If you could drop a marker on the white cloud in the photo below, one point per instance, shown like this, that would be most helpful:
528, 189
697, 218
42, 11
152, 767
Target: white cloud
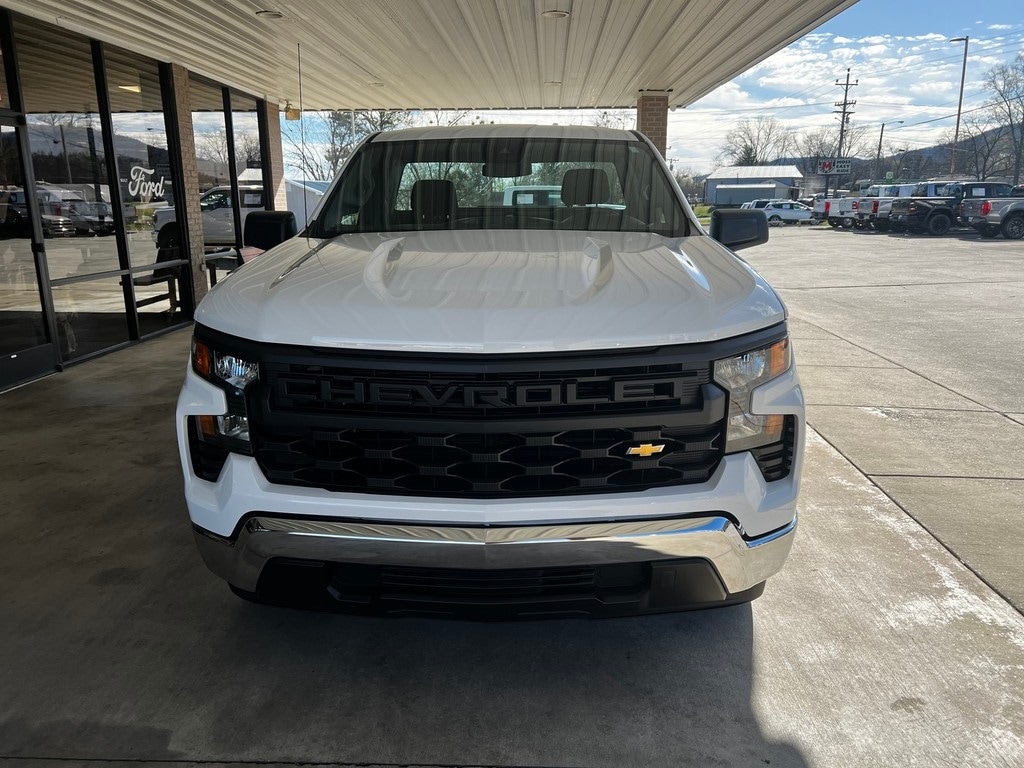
1000, 26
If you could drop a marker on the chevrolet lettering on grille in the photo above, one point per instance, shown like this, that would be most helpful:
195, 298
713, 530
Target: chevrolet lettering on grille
518, 395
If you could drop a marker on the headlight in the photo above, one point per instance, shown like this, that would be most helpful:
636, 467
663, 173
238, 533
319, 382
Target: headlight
233, 374
740, 375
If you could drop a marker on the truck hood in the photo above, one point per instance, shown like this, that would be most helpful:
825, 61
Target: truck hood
492, 292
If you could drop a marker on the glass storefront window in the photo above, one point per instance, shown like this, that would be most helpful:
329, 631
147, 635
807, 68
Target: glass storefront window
210, 133
90, 316
143, 161
66, 141
211, 142
246, 130
21, 314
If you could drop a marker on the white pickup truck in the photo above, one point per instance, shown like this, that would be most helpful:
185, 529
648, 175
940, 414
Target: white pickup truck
825, 207
435, 403
876, 210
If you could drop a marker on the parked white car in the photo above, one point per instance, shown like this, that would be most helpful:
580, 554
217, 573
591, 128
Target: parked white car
787, 213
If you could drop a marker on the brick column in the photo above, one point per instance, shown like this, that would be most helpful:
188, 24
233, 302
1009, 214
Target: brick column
273, 176
186, 200
652, 117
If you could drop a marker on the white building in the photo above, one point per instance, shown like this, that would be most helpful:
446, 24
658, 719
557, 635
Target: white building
737, 184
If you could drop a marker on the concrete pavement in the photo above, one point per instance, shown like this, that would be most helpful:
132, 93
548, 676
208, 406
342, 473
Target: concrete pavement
876, 646
909, 351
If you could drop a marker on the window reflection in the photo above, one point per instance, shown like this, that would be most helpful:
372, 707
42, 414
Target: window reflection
211, 143
143, 160
21, 316
90, 316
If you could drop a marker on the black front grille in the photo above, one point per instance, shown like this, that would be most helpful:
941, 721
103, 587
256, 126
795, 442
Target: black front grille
318, 387
486, 464
487, 425
454, 583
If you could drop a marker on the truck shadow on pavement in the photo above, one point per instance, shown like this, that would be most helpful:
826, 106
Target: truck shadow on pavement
665, 690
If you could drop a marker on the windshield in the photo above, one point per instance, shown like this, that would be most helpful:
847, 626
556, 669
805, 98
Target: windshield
503, 183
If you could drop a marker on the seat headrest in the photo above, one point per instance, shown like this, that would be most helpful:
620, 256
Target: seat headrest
585, 186
433, 203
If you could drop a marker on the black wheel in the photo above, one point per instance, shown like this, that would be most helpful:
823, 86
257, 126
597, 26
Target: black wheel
881, 226
988, 230
1013, 227
938, 225
834, 223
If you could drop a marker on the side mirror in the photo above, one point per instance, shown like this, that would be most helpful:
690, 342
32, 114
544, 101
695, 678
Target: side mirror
739, 228
265, 229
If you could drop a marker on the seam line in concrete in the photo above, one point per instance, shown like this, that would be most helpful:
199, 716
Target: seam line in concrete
905, 368
205, 761
904, 407
944, 477
924, 527
898, 285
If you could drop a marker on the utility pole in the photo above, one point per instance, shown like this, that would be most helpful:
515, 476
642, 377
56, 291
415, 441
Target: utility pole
844, 113
960, 104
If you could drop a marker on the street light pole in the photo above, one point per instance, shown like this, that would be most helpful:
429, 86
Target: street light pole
878, 154
966, 40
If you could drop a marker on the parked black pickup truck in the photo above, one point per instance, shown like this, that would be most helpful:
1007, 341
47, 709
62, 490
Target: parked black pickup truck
933, 208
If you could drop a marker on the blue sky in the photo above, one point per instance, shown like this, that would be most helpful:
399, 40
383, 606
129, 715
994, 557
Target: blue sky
899, 52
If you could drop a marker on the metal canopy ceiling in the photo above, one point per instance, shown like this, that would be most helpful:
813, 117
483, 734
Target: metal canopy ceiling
448, 54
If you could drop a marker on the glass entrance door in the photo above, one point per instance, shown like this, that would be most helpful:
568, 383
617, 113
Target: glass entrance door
26, 349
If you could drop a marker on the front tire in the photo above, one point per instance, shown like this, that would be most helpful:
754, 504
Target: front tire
1013, 227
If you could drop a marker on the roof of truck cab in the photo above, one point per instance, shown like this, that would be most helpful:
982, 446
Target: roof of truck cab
507, 132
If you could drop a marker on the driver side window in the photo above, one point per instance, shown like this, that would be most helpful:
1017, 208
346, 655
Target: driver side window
215, 201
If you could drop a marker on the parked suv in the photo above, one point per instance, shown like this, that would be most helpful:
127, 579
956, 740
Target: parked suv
432, 402
218, 216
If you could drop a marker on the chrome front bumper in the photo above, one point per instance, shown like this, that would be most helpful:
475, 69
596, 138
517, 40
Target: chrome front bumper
740, 563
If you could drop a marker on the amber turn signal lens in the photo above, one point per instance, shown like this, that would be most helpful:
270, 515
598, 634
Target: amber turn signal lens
778, 361
202, 359
208, 426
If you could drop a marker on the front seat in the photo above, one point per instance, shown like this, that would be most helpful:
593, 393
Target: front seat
433, 204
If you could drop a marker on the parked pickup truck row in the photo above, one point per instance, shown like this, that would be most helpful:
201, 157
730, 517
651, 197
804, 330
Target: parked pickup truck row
931, 207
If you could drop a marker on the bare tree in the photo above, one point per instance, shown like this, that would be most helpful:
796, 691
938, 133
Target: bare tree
446, 116
1007, 83
982, 145
247, 150
321, 141
623, 119
213, 146
757, 142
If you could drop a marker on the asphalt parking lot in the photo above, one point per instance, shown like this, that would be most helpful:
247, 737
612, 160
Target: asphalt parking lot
892, 638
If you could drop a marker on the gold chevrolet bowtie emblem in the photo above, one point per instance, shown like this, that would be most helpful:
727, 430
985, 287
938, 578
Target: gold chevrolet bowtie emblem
645, 450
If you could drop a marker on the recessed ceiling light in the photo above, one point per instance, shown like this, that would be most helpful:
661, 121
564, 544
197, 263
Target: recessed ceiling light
132, 88
270, 14
555, 14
